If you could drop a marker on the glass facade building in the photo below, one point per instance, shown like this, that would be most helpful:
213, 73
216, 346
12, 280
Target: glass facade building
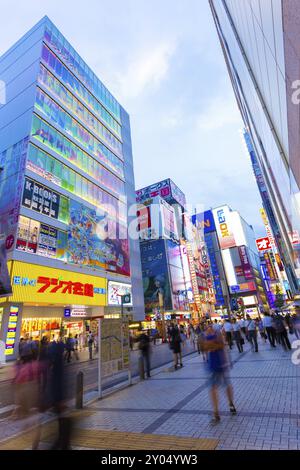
260, 42
67, 179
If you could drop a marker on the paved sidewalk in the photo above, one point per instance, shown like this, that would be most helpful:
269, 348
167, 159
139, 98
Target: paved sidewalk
266, 387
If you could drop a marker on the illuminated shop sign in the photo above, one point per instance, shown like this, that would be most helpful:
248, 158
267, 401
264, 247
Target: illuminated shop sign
49, 285
263, 244
11, 331
116, 290
40, 199
194, 280
226, 238
244, 287
245, 262
79, 311
267, 227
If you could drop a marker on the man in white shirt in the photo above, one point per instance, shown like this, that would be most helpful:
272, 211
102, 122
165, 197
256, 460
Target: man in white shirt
252, 332
242, 324
228, 332
267, 323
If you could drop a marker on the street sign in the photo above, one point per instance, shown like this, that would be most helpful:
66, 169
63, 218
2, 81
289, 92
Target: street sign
263, 244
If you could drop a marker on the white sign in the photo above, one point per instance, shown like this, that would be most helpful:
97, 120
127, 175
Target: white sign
78, 312
116, 290
222, 221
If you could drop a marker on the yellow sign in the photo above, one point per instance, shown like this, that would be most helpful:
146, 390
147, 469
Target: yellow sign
42, 285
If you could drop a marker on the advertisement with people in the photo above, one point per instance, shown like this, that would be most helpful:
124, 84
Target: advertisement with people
89, 241
157, 292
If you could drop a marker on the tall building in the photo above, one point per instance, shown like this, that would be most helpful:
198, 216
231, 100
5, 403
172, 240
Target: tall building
182, 276
205, 223
260, 40
65, 150
240, 260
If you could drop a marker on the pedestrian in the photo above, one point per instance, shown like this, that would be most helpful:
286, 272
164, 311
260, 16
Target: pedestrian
268, 325
218, 366
242, 324
281, 331
90, 344
58, 395
252, 332
228, 332
70, 344
261, 328
200, 339
296, 322
175, 345
144, 347
192, 336
76, 347
182, 335
237, 335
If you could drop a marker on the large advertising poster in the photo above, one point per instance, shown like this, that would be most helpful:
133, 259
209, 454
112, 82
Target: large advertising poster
224, 230
5, 285
179, 290
89, 245
157, 292
12, 161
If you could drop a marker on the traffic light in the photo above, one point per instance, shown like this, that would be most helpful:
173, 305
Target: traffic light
126, 299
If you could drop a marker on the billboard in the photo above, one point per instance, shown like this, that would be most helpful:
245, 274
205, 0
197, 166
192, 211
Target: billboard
34, 283
156, 284
263, 244
224, 230
12, 161
115, 290
156, 219
87, 244
204, 220
246, 266
166, 189
5, 285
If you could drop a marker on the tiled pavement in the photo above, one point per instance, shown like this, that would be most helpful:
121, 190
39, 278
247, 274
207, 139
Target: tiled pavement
178, 404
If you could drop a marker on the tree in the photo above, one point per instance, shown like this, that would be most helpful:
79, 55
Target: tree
279, 299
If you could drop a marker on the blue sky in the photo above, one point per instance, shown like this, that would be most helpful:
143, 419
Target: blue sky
163, 62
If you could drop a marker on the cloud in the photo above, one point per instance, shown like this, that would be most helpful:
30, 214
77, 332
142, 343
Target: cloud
147, 70
221, 111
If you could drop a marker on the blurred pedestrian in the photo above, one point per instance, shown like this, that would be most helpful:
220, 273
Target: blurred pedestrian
90, 344
175, 345
228, 332
267, 322
261, 329
242, 324
281, 331
70, 346
218, 366
144, 347
237, 335
59, 394
182, 335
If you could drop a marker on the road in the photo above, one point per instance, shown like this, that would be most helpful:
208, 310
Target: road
160, 355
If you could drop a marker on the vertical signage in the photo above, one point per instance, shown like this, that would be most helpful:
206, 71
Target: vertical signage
11, 331
190, 256
222, 220
245, 262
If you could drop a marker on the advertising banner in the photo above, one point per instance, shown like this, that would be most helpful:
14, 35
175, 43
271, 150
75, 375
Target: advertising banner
115, 290
13, 161
263, 244
157, 292
162, 188
224, 230
34, 283
5, 284
245, 262
87, 245
40, 198
205, 221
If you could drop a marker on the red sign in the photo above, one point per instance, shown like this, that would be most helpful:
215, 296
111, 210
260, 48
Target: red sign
65, 287
263, 244
9, 242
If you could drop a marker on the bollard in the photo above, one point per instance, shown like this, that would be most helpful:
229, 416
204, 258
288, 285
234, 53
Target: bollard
141, 368
79, 390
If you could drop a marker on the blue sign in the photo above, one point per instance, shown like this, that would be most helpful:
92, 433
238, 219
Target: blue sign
205, 221
235, 288
67, 312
